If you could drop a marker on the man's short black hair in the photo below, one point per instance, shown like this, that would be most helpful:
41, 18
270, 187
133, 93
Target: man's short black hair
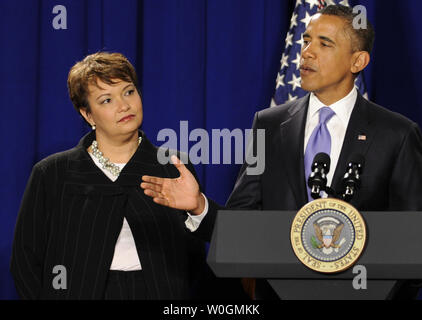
362, 39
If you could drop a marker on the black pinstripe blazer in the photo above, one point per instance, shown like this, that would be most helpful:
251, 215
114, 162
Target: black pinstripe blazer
72, 214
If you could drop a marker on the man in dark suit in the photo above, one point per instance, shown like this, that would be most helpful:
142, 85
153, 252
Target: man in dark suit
333, 118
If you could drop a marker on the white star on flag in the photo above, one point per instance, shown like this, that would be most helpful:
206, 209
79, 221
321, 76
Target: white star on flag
297, 61
280, 80
313, 3
295, 82
293, 22
307, 19
300, 42
289, 40
284, 62
292, 98
298, 3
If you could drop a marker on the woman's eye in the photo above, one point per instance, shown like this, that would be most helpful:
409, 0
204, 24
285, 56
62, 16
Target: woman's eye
106, 101
130, 92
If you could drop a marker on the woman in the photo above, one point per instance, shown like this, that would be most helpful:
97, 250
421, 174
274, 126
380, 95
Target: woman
85, 229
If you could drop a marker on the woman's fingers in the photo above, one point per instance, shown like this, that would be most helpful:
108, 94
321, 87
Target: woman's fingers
151, 186
155, 180
157, 197
153, 194
161, 201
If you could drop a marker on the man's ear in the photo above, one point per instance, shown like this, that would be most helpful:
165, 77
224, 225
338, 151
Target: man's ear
87, 116
360, 60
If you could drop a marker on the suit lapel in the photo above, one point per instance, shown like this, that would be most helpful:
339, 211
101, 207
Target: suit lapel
359, 136
143, 162
292, 134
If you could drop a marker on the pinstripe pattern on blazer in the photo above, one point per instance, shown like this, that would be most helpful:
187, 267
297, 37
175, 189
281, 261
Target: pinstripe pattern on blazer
71, 215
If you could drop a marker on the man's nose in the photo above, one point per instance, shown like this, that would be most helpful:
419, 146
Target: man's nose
308, 51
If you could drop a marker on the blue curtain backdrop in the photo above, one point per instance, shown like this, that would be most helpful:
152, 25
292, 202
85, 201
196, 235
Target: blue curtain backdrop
212, 63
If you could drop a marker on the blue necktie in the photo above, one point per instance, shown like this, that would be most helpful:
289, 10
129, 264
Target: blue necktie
320, 141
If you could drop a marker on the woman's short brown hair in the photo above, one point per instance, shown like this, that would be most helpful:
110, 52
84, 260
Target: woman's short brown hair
104, 66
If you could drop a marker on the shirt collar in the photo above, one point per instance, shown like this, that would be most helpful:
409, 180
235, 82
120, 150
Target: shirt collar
343, 107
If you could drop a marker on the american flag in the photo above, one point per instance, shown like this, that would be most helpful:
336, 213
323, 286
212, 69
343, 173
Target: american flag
288, 78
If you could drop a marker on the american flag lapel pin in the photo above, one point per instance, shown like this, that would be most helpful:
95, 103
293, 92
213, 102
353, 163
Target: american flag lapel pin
362, 137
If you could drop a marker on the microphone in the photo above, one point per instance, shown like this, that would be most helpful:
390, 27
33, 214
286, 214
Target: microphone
317, 180
351, 181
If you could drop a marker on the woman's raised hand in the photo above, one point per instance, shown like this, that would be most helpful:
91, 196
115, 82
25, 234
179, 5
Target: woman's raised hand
179, 193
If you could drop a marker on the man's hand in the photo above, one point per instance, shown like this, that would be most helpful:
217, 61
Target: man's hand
180, 193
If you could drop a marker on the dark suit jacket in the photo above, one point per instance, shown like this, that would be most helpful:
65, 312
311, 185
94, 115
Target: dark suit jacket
72, 214
392, 176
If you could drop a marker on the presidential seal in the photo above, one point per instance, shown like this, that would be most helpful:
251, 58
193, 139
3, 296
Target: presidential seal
328, 235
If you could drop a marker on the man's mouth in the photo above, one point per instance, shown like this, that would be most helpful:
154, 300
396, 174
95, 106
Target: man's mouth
307, 68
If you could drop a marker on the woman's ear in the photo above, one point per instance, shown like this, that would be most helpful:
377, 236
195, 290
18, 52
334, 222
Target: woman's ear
87, 116
360, 60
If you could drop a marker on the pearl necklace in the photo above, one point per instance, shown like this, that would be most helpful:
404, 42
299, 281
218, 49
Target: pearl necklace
106, 163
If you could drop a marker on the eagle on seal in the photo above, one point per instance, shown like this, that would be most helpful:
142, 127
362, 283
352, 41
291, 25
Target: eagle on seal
328, 234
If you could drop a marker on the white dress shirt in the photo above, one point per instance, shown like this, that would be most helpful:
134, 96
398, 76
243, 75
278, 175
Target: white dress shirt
337, 125
125, 255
